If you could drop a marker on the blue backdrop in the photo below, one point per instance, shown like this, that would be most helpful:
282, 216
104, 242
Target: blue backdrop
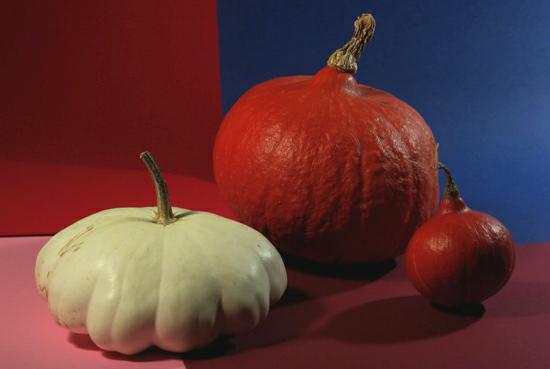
479, 73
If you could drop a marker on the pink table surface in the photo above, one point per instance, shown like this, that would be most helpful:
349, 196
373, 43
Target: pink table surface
353, 319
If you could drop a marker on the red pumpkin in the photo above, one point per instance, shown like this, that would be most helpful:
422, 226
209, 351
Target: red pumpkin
459, 256
328, 169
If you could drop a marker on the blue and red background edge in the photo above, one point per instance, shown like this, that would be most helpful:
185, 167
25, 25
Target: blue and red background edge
94, 84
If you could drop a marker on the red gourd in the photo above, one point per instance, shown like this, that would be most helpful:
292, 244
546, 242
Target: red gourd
328, 169
460, 256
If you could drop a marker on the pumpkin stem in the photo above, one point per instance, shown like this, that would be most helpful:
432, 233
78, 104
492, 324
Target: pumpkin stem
451, 189
345, 58
164, 209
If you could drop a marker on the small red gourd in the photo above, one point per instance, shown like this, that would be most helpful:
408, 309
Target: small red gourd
328, 169
459, 256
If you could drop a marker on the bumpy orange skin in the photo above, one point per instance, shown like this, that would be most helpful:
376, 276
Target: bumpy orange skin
328, 169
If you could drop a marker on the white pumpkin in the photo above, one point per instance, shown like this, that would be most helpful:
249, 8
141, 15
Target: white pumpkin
135, 277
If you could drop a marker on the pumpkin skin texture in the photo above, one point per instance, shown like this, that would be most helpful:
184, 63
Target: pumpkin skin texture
131, 282
460, 256
328, 169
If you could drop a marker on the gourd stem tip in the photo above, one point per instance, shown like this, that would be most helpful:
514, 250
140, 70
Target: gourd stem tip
345, 58
164, 209
451, 189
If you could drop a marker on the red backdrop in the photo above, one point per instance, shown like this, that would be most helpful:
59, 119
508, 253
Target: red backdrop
96, 82
93, 84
